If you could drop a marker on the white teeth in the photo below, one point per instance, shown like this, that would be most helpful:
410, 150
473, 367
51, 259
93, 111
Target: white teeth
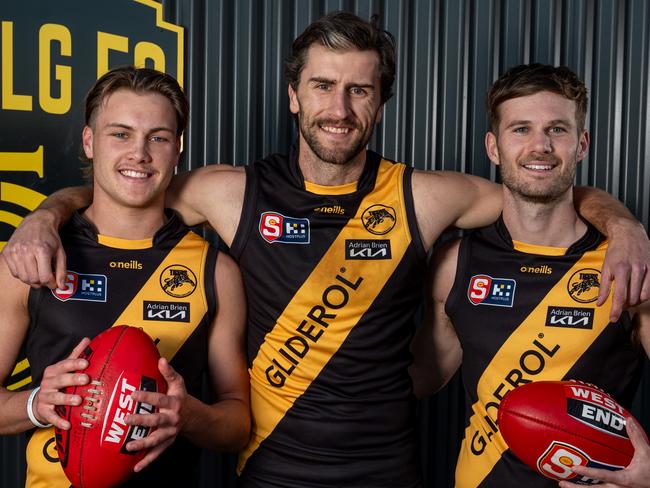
544, 167
133, 174
336, 130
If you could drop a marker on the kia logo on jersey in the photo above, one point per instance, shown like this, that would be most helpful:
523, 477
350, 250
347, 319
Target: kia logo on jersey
275, 227
485, 290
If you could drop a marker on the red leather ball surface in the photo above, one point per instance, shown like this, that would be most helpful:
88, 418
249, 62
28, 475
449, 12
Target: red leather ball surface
93, 452
553, 425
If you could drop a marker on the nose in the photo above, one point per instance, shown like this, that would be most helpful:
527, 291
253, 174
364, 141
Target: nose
340, 104
541, 142
140, 150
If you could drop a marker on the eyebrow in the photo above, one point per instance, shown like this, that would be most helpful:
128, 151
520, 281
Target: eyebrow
321, 79
528, 122
119, 125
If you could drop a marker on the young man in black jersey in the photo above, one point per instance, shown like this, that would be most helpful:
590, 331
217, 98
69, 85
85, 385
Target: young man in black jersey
496, 294
123, 243
332, 242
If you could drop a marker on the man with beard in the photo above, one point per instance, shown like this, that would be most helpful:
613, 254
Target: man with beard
497, 293
332, 241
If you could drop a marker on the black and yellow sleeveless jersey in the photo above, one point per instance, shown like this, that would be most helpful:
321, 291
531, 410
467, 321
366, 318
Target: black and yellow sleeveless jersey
164, 285
333, 278
528, 313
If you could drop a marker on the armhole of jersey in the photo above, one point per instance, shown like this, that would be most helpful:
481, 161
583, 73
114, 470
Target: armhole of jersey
410, 213
34, 299
247, 213
209, 283
456, 293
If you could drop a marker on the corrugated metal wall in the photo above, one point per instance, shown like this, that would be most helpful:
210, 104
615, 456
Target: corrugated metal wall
448, 54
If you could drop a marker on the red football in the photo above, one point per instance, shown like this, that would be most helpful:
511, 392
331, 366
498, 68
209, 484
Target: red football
121, 359
553, 425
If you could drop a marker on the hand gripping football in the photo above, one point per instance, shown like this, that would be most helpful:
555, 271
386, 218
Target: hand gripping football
93, 452
553, 425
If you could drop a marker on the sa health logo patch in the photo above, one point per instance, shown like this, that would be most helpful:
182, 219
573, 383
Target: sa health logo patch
485, 290
275, 227
82, 286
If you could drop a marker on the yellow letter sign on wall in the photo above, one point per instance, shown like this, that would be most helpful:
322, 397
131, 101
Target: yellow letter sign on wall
51, 54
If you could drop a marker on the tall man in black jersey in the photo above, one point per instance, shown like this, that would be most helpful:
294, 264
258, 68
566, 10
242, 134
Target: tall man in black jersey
526, 286
332, 242
122, 248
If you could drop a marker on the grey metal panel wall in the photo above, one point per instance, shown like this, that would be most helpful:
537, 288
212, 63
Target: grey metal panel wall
449, 52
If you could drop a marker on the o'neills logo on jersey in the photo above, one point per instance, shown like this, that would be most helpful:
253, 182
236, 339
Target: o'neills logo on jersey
379, 219
570, 317
132, 264
595, 409
584, 285
330, 209
166, 311
559, 458
178, 281
485, 290
275, 227
81, 286
367, 249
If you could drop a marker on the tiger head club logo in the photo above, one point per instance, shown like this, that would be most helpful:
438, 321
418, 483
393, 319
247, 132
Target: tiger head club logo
584, 285
178, 281
379, 219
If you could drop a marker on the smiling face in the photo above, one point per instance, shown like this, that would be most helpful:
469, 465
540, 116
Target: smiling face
134, 148
337, 102
538, 146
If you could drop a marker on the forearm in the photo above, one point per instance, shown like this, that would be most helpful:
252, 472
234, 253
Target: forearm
222, 426
605, 212
60, 205
13, 412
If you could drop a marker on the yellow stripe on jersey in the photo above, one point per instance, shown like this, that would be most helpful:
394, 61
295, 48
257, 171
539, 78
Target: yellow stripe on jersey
170, 339
532, 352
324, 310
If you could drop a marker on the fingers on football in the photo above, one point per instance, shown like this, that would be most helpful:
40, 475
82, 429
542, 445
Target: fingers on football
79, 348
151, 455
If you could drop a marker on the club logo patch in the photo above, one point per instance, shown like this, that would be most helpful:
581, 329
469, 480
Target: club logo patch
83, 287
275, 227
584, 285
379, 219
367, 249
485, 290
166, 311
178, 281
559, 458
570, 317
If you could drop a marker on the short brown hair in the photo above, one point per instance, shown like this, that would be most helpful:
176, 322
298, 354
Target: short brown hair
528, 79
138, 80
341, 31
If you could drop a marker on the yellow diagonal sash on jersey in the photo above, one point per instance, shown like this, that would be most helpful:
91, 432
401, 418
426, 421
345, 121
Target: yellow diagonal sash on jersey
43, 469
472, 469
270, 404
171, 336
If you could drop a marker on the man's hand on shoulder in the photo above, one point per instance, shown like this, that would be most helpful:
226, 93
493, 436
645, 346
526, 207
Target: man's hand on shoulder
627, 267
34, 253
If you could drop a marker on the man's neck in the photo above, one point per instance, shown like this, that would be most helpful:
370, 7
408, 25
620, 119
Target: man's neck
554, 224
114, 220
315, 170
